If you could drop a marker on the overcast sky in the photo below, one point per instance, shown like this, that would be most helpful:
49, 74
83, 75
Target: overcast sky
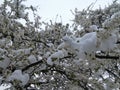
48, 9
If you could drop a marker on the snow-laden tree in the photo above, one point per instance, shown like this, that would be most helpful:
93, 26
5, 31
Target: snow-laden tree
83, 57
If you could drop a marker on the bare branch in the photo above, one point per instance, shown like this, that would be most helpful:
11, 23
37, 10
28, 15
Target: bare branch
118, 42
31, 65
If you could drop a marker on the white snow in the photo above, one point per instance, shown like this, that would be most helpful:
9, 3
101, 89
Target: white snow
70, 44
90, 43
47, 54
32, 59
68, 41
5, 62
49, 61
108, 43
93, 28
21, 51
87, 44
17, 75
59, 54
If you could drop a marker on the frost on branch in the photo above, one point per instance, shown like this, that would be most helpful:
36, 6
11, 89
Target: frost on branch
57, 55
83, 56
113, 21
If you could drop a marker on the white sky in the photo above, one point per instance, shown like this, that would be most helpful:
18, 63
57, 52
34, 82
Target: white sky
48, 9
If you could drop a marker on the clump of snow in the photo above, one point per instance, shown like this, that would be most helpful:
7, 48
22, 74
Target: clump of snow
47, 54
32, 59
21, 51
43, 80
93, 28
5, 62
70, 44
87, 44
49, 61
59, 54
67, 39
108, 43
17, 75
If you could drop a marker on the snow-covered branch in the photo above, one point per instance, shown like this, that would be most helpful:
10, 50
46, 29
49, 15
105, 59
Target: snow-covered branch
107, 57
83, 56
